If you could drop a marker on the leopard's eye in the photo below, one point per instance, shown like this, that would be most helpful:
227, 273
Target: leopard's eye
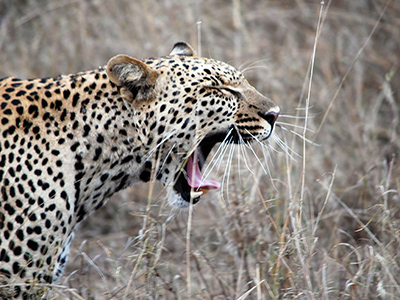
233, 92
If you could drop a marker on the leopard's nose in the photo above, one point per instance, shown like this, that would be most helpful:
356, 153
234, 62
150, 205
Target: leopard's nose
271, 115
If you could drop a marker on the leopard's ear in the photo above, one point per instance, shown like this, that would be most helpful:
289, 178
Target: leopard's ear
182, 48
136, 79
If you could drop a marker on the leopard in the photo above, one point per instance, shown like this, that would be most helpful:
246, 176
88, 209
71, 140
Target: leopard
68, 143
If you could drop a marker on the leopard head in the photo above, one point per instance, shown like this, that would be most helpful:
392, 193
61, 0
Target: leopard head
185, 105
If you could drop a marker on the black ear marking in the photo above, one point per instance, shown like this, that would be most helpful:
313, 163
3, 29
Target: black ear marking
182, 48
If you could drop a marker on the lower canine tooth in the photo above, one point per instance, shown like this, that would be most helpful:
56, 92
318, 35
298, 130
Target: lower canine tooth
205, 191
194, 194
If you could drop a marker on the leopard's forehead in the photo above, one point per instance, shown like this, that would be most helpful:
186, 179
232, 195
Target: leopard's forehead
199, 69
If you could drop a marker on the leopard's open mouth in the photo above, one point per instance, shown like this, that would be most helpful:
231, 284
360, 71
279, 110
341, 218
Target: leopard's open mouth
191, 183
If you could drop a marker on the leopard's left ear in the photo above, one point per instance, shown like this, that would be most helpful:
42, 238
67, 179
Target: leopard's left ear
182, 48
136, 79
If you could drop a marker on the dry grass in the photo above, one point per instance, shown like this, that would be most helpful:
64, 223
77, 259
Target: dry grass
323, 226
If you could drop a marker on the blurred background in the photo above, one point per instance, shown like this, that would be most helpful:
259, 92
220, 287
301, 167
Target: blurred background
320, 223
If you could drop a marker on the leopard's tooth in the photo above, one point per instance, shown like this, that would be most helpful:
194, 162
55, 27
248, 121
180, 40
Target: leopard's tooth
194, 194
205, 191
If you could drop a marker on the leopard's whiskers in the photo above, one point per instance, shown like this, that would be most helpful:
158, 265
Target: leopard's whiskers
227, 171
151, 152
286, 149
218, 155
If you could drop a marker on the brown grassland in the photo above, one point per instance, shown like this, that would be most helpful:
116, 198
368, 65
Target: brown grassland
319, 221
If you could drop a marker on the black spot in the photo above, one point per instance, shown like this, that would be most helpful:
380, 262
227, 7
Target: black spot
32, 245
9, 208
66, 94
161, 129
127, 159
100, 138
75, 99
74, 146
17, 251
152, 126
52, 194
20, 110
44, 103
36, 129
63, 115
17, 289
4, 256
47, 224
97, 153
32, 217
33, 110
104, 177
86, 130
75, 125
145, 176
185, 123
64, 195
81, 213
58, 105
79, 165
118, 176
15, 267
10, 157
41, 202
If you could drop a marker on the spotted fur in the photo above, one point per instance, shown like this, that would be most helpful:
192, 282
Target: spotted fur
68, 143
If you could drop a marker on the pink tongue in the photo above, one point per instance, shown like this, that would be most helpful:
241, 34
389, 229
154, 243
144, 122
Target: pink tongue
196, 179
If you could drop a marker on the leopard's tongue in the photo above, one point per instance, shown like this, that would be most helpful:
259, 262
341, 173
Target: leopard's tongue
196, 179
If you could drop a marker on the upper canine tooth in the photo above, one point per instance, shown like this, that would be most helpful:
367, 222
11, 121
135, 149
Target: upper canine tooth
194, 194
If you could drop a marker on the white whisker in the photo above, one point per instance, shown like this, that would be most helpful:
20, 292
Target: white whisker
268, 159
262, 147
150, 153
221, 156
286, 149
238, 166
166, 157
279, 124
300, 136
252, 65
291, 117
242, 144
242, 149
217, 156
227, 172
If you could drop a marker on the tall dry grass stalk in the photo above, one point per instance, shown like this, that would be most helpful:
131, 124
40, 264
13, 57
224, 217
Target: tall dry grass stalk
309, 220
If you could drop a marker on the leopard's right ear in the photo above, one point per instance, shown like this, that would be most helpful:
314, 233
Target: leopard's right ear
182, 48
136, 79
